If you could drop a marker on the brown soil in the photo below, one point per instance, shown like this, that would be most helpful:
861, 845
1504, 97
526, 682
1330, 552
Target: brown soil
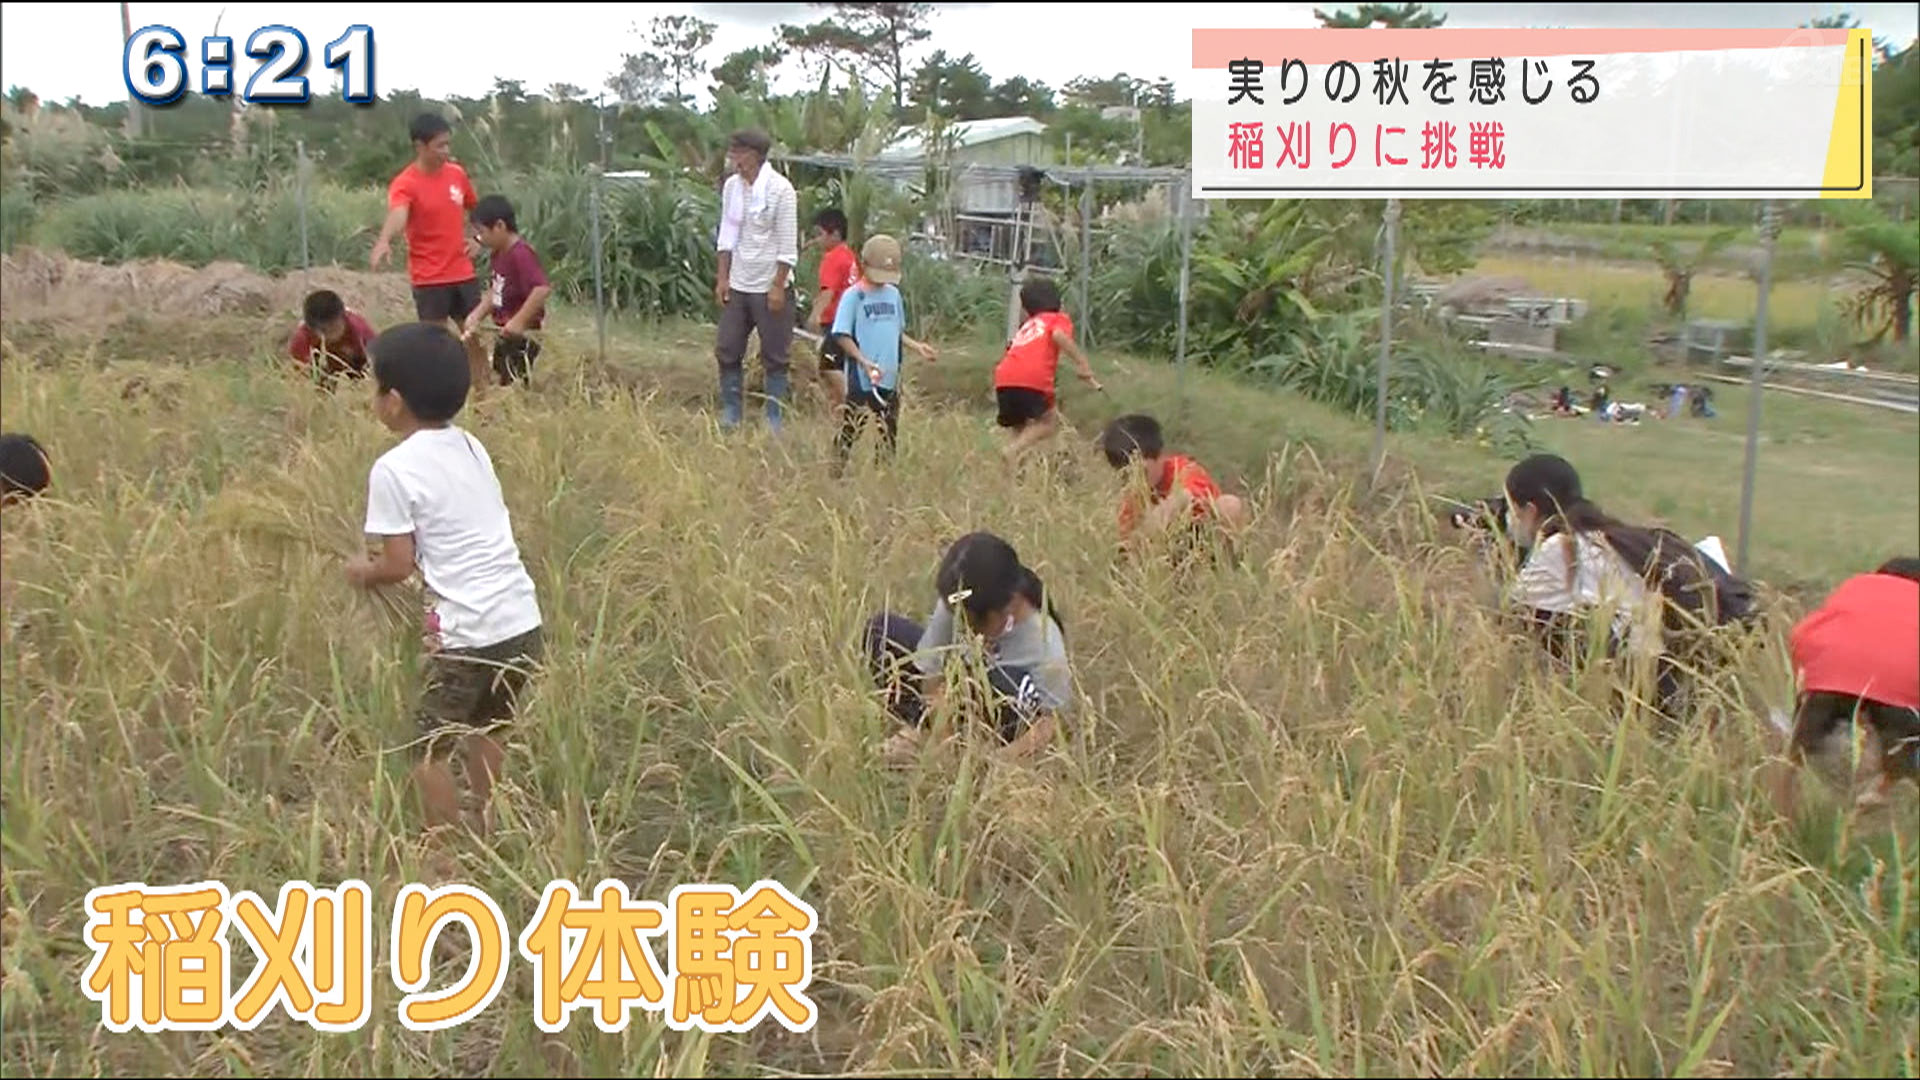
41, 285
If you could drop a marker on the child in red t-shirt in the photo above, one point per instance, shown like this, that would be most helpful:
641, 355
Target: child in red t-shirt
1177, 488
1023, 382
1858, 654
839, 271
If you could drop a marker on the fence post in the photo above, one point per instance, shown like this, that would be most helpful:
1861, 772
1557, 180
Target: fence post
1086, 254
599, 292
1392, 231
1769, 229
300, 186
1186, 273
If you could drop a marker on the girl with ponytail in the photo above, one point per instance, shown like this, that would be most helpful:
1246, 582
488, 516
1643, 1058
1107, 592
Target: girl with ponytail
1581, 560
983, 594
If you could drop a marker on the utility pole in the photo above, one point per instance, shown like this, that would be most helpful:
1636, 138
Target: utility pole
133, 103
1769, 235
606, 141
1139, 132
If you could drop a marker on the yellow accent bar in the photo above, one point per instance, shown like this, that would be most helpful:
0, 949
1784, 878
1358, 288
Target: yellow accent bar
1849, 161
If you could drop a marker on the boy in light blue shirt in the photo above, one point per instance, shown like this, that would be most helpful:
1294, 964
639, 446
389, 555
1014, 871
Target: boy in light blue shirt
870, 325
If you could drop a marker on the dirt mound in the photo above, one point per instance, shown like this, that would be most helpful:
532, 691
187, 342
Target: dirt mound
1473, 294
38, 284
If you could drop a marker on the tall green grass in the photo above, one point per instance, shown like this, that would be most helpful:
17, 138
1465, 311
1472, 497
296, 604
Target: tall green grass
658, 256
197, 226
1314, 815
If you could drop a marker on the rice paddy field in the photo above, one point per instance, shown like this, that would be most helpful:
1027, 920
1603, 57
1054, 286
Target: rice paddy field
1318, 813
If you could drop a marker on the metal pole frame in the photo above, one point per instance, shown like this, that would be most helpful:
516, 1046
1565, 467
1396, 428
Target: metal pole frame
1392, 233
1769, 231
1186, 279
300, 185
599, 291
1086, 255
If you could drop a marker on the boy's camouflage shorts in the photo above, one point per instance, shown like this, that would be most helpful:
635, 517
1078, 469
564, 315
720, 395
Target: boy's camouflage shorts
469, 691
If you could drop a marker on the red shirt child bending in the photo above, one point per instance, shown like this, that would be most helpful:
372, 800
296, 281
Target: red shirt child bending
1857, 660
1178, 487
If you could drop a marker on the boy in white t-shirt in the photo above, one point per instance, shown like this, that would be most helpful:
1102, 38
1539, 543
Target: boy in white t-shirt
435, 502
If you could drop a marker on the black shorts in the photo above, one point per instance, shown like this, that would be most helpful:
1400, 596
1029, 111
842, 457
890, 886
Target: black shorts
832, 356
1020, 406
1010, 700
471, 690
438, 303
513, 358
1822, 715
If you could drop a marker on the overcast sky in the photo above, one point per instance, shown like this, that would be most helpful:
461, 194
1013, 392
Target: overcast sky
63, 50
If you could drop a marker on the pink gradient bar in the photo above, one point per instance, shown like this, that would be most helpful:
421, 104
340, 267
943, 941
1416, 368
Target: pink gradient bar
1215, 48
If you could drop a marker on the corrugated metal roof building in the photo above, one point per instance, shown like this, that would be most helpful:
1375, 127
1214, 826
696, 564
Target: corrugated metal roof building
1003, 141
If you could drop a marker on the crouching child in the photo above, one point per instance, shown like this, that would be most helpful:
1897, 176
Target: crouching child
331, 339
1168, 495
1857, 661
983, 596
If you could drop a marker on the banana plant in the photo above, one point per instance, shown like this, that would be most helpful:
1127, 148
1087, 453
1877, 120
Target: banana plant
1888, 254
1680, 265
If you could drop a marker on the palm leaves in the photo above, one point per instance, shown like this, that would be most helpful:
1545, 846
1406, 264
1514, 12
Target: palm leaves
1679, 265
1889, 254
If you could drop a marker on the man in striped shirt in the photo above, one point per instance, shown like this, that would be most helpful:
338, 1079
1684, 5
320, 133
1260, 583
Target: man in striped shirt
759, 246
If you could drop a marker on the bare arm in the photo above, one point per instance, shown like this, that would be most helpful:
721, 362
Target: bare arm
1038, 734
933, 691
1072, 349
926, 351
536, 303
1168, 510
393, 565
852, 349
396, 221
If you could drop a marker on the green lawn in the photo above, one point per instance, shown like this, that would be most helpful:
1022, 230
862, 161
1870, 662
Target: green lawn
1837, 490
1794, 312
1801, 250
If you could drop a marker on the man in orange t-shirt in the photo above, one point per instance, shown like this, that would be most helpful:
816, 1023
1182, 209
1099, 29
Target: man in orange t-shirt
1178, 488
1859, 654
430, 199
1023, 383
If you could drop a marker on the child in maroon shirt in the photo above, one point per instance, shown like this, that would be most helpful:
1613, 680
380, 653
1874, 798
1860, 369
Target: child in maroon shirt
517, 297
331, 337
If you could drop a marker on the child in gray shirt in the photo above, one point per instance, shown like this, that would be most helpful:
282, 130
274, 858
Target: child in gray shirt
1004, 605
